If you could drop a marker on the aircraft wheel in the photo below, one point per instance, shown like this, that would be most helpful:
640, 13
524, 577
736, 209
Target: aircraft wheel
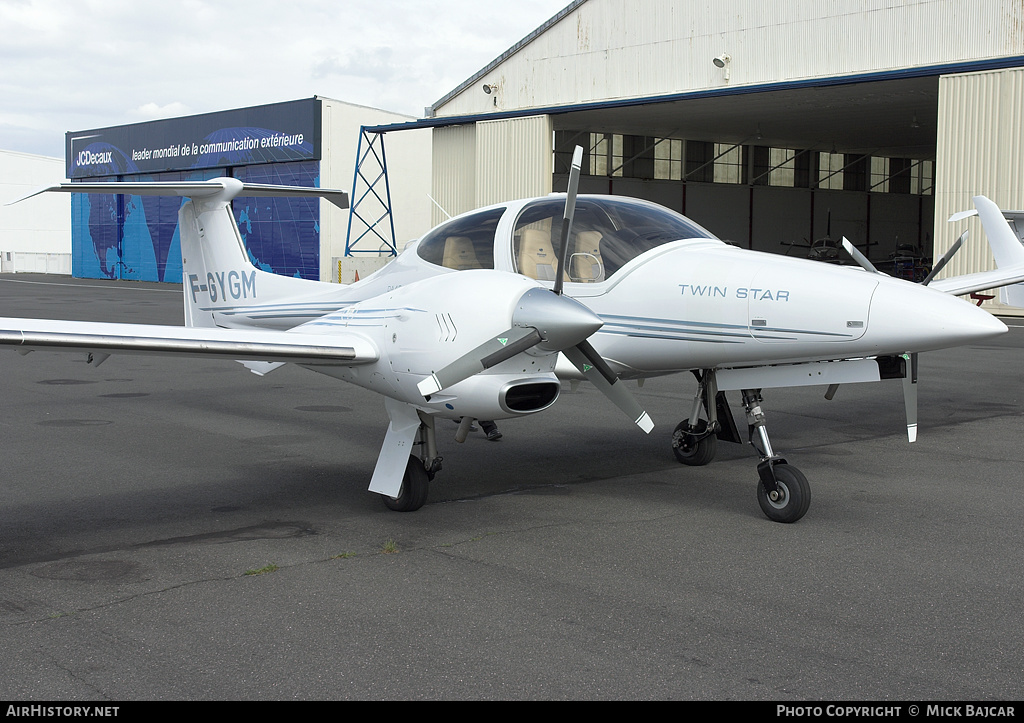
691, 450
794, 495
415, 485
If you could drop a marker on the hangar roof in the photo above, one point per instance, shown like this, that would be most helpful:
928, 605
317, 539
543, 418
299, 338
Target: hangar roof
854, 76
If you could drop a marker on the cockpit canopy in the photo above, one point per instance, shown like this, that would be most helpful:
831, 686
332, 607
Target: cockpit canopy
608, 231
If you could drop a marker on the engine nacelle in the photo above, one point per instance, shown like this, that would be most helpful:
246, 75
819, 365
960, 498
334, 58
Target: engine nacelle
495, 396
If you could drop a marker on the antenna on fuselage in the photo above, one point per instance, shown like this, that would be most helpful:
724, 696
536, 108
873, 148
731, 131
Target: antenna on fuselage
439, 207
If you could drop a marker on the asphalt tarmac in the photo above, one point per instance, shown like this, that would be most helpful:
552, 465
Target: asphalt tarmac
185, 530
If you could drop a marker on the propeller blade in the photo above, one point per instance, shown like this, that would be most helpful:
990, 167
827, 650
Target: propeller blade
585, 358
945, 259
858, 256
570, 210
491, 353
541, 319
910, 396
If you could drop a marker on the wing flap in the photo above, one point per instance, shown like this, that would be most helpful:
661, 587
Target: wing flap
344, 348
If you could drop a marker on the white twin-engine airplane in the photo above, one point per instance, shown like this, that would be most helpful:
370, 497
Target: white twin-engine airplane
469, 321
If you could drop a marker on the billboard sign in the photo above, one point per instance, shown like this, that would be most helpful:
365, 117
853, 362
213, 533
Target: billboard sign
276, 133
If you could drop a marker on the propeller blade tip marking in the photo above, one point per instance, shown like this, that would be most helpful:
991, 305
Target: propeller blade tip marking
429, 386
645, 423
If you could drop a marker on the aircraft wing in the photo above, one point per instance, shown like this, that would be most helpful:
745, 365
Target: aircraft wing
344, 348
969, 283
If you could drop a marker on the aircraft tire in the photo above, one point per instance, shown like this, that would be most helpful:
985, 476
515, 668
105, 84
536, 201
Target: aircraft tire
690, 452
796, 498
415, 485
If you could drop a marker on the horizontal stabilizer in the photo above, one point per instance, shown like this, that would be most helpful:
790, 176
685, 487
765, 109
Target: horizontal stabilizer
223, 188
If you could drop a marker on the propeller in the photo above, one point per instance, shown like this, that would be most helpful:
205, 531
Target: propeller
910, 372
910, 395
583, 355
550, 322
585, 358
910, 380
570, 211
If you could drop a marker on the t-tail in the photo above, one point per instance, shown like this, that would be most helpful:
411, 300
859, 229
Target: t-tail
221, 285
1006, 249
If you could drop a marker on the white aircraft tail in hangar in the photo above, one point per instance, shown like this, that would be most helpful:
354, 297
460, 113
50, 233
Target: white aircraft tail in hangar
623, 288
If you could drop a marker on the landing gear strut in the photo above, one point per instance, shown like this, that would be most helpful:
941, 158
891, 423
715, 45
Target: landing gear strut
782, 490
695, 440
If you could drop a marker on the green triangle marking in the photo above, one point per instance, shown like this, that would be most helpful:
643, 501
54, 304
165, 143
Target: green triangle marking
503, 340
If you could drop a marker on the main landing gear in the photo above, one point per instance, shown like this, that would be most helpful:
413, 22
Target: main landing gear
419, 471
782, 491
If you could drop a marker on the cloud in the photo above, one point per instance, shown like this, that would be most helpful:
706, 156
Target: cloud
374, 63
152, 111
80, 64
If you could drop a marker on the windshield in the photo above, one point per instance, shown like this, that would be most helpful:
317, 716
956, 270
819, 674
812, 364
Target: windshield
464, 243
607, 232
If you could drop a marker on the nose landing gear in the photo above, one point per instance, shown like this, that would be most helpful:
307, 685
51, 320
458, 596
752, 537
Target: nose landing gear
782, 491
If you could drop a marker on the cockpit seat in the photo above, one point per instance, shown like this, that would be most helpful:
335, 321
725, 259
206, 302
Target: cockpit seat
459, 254
536, 256
587, 266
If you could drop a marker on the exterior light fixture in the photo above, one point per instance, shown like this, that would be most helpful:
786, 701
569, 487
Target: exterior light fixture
722, 61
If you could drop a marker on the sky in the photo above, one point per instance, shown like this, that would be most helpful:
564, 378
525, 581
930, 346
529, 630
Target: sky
70, 65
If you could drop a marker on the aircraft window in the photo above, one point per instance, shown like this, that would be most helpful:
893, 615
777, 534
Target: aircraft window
607, 232
463, 243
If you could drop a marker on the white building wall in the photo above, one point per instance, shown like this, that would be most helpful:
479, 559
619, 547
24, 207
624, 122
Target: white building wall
409, 163
35, 235
980, 150
609, 49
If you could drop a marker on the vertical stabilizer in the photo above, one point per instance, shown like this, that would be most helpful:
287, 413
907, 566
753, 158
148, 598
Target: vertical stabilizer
1006, 247
216, 271
221, 286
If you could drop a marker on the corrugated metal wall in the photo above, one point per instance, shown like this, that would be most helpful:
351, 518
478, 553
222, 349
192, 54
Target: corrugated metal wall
608, 49
454, 171
490, 162
513, 159
980, 150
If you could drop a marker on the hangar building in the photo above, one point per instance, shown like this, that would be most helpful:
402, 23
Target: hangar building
310, 142
33, 237
771, 122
